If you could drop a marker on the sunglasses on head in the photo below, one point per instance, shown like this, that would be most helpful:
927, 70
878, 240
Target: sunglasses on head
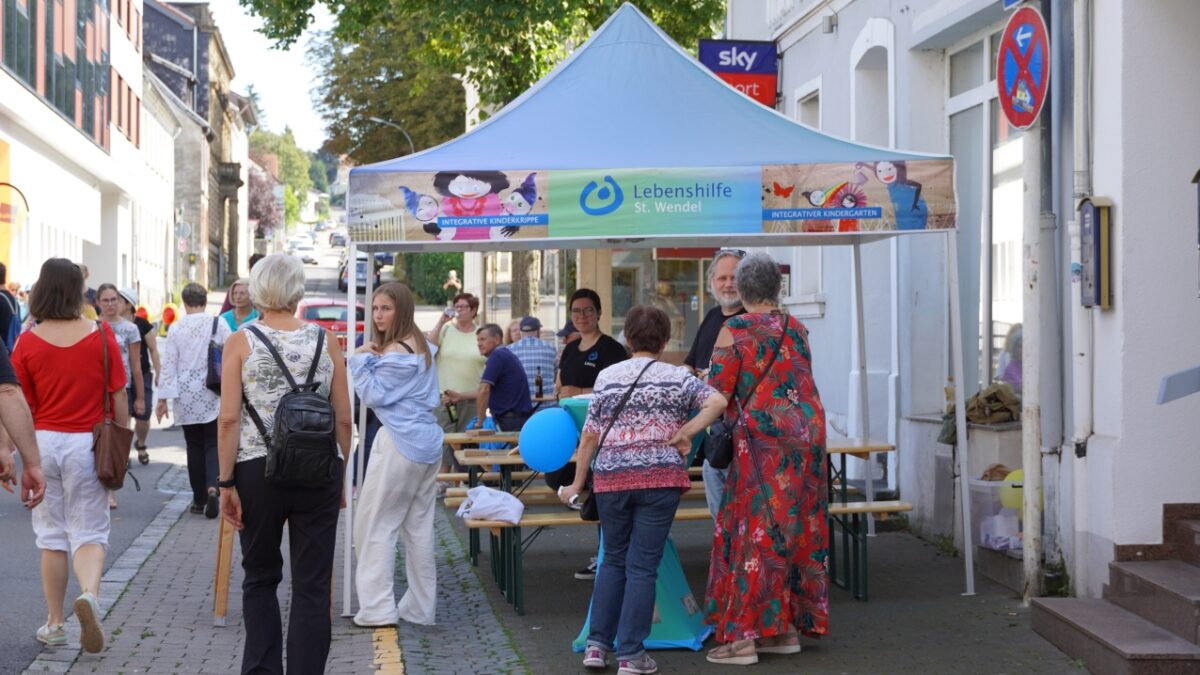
729, 251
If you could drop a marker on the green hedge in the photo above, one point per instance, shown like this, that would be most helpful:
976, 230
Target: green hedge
426, 272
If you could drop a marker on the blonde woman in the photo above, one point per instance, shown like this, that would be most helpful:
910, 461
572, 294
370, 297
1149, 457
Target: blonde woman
395, 376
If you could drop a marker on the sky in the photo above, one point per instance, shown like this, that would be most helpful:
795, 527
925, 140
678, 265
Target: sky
282, 79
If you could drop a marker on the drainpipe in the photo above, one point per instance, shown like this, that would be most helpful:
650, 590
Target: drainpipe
1081, 321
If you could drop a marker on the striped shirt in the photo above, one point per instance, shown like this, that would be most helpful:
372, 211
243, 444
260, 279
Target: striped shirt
534, 355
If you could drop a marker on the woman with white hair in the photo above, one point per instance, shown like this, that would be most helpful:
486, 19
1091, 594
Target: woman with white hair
767, 581
243, 310
254, 363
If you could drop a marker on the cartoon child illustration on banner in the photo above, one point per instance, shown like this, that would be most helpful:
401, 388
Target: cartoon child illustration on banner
911, 211
470, 194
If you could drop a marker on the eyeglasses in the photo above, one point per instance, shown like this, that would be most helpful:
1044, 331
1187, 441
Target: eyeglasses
463, 306
583, 311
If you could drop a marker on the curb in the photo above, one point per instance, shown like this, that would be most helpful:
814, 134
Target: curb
117, 578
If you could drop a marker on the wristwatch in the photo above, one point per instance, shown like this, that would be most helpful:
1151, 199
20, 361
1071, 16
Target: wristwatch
226, 484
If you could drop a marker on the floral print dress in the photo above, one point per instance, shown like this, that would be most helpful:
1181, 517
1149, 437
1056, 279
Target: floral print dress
757, 587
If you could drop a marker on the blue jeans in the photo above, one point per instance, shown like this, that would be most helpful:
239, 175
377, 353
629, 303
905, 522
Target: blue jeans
714, 487
635, 524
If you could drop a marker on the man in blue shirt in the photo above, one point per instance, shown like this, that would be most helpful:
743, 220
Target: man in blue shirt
537, 357
503, 388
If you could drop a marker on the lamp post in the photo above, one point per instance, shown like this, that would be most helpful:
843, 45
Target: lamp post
412, 149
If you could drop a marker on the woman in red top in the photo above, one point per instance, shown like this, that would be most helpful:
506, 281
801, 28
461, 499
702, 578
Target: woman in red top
59, 363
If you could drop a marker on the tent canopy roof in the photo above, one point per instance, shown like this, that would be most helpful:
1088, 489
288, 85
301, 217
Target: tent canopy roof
631, 97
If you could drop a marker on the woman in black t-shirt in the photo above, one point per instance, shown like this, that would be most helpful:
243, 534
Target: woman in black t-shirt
594, 351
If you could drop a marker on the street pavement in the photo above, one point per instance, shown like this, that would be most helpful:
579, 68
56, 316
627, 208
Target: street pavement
157, 596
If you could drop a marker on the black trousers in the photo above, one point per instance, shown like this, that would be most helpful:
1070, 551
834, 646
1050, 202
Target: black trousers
201, 443
311, 516
511, 420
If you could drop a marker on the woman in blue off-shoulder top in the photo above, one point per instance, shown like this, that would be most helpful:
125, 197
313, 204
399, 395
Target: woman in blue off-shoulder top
394, 375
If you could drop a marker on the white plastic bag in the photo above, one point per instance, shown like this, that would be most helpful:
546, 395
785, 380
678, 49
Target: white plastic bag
485, 503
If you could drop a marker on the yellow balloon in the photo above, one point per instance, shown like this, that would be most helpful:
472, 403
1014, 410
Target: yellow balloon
1011, 497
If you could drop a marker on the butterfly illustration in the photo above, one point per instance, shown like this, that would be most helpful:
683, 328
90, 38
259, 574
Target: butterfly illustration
782, 191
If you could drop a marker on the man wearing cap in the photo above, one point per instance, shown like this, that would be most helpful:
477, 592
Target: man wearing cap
537, 357
722, 283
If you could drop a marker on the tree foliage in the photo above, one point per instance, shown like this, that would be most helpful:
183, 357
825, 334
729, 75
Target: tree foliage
291, 206
501, 47
378, 75
318, 173
263, 206
426, 272
293, 162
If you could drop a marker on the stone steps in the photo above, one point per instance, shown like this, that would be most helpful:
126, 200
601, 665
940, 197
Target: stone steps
1164, 592
1111, 640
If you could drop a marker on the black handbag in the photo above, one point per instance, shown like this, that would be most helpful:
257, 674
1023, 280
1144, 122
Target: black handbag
718, 445
590, 511
212, 377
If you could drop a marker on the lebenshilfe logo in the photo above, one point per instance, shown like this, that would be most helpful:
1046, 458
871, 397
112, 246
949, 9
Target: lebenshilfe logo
609, 195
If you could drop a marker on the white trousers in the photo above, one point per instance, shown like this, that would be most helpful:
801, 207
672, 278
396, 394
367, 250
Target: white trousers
397, 501
74, 511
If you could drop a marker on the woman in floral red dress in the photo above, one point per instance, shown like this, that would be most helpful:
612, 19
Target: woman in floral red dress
767, 581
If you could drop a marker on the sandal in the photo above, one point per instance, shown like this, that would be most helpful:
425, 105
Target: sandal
734, 654
143, 456
788, 643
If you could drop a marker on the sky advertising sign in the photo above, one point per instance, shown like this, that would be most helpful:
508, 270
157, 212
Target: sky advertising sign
748, 66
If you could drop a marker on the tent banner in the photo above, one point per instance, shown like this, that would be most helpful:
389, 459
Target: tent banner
881, 196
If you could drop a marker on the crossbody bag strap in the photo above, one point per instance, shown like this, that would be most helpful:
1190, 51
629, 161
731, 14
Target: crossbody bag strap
213, 335
275, 354
312, 369
104, 375
619, 408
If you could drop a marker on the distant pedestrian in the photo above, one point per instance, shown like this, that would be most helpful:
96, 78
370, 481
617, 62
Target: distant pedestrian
10, 312
537, 357
182, 387
260, 508
452, 286
89, 295
59, 364
243, 308
228, 303
513, 332
394, 374
151, 368
129, 340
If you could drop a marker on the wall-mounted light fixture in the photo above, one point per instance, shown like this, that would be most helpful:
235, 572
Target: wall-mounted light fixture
829, 23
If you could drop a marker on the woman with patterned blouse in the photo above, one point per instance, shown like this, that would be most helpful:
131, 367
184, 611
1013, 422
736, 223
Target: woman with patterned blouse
767, 579
639, 477
185, 367
258, 507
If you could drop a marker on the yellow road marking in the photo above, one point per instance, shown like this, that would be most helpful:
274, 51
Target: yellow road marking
388, 658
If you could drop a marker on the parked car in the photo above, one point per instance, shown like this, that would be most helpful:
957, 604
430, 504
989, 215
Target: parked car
331, 314
306, 252
338, 239
360, 275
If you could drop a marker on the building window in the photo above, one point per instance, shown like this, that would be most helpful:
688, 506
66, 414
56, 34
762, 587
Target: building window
988, 155
804, 292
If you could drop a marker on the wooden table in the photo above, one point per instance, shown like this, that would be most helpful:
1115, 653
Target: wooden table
460, 439
476, 462
854, 525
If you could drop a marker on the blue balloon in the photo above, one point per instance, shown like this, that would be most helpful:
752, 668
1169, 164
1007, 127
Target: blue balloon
548, 440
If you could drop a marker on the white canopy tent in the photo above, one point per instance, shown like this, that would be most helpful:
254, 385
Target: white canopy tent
631, 143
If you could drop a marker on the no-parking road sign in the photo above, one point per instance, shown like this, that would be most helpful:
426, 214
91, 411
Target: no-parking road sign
1023, 67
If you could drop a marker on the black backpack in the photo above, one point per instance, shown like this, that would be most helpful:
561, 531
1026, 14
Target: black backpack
302, 450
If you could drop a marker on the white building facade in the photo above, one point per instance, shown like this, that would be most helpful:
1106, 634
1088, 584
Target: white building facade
920, 76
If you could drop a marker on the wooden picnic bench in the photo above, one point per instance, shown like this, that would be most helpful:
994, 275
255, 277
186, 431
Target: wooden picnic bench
508, 545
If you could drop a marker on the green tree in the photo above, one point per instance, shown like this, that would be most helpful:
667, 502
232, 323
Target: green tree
293, 162
291, 206
256, 105
378, 76
318, 173
501, 47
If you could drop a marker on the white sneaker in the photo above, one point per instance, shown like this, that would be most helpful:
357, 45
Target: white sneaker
87, 610
52, 636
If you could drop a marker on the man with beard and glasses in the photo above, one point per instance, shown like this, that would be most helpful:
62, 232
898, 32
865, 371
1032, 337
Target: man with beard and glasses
723, 286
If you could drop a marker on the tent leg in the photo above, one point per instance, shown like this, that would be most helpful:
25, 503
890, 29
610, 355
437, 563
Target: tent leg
356, 450
960, 408
864, 412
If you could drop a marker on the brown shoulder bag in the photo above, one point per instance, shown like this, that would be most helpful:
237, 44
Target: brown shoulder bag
111, 442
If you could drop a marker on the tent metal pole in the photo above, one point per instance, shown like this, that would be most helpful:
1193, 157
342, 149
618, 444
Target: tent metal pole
355, 450
864, 413
960, 407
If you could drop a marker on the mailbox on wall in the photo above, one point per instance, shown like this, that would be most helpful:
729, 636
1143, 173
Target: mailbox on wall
1095, 252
